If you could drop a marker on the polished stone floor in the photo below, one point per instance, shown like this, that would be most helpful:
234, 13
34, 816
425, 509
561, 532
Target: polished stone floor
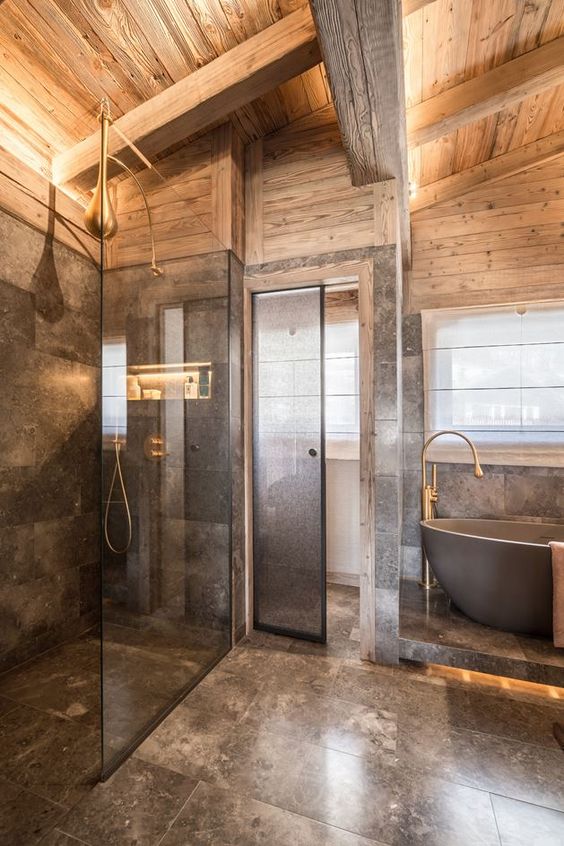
290, 744
433, 630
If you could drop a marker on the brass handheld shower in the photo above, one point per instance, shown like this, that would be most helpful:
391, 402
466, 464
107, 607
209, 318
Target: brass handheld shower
100, 218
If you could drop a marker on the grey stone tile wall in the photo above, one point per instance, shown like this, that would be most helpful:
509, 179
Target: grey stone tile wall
49, 442
187, 510
505, 492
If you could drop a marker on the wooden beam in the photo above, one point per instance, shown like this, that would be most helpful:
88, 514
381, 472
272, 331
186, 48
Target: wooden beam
410, 6
500, 167
236, 78
361, 44
491, 92
227, 189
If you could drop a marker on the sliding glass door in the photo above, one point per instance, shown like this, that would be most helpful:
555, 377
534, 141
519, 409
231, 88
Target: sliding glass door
289, 464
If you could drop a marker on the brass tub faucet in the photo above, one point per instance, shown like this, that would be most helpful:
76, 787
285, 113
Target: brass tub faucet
430, 495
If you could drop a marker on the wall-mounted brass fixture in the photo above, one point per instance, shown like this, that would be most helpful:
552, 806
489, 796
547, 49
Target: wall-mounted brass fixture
100, 218
154, 448
430, 495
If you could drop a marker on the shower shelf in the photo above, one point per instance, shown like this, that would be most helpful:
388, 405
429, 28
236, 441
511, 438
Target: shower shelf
154, 382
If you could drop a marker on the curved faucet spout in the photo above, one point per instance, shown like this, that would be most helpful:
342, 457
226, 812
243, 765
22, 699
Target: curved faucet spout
478, 472
430, 494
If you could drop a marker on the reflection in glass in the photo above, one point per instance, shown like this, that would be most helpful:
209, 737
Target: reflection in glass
166, 599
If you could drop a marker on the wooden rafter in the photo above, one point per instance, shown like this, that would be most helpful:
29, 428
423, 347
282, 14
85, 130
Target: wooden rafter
528, 74
500, 167
204, 98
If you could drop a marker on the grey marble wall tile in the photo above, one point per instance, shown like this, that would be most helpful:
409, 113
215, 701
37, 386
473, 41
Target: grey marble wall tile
411, 509
411, 562
387, 500
17, 559
534, 495
207, 444
412, 446
462, 495
387, 558
387, 626
17, 315
206, 330
411, 335
72, 336
387, 447
412, 372
208, 496
386, 391
207, 573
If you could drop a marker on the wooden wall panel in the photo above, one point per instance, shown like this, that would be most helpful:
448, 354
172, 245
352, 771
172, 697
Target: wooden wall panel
498, 243
298, 178
27, 195
196, 201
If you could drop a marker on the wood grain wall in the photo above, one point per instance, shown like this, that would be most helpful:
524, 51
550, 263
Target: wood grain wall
30, 197
196, 201
499, 243
299, 197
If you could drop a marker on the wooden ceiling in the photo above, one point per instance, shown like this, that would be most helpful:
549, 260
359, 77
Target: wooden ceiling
450, 41
59, 57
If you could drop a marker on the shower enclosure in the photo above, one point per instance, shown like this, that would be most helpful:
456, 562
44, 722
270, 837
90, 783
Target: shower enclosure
166, 484
121, 414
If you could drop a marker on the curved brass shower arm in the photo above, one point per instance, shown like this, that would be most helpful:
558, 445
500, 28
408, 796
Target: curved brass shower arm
156, 270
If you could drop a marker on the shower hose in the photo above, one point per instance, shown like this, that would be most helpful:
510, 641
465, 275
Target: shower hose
117, 474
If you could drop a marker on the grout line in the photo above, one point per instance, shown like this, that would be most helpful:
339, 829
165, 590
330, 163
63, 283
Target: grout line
171, 825
72, 836
495, 820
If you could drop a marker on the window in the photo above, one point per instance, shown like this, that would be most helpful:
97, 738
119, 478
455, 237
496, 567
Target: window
497, 374
342, 415
114, 394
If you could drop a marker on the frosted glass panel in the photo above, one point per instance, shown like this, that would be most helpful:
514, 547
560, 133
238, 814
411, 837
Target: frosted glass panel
288, 452
496, 373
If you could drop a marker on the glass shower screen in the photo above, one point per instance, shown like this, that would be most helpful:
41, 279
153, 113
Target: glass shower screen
289, 464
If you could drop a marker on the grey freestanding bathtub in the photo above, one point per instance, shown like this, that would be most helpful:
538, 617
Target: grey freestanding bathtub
497, 572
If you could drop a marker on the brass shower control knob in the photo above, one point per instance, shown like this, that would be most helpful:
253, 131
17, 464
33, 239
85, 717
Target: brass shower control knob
154, 448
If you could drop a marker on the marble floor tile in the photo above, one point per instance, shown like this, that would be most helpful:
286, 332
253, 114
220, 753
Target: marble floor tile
188, 741
216, 817
223, 752
63, 682
324, 721
135, 807
223, 694
54, 757
391, 803
517, 770
313, 672
522, 824
24, 817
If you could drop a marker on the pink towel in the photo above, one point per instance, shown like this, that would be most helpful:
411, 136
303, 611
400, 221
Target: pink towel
557, 550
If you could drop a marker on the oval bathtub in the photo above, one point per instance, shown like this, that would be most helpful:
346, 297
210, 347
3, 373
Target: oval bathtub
497, 572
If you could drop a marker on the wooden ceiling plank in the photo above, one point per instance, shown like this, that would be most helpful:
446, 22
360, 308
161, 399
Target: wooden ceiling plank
508, 164
481, 96
232, 80
78, 60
